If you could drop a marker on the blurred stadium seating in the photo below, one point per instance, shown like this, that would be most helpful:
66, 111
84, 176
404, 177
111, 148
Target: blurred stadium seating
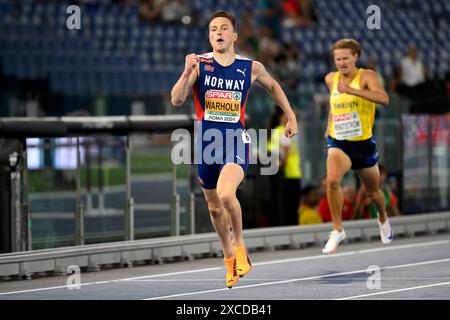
119, 64
117, 52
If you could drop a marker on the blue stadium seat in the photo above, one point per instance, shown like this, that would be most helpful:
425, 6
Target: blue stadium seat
114, 42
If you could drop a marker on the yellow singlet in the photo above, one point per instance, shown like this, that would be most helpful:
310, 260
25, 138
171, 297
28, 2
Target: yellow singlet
352, 117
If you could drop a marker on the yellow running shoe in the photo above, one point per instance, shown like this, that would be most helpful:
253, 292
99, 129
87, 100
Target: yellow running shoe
243, 264
232, 277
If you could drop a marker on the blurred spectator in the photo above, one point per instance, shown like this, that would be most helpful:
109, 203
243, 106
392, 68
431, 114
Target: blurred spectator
298, 13
323, 186
288, 67
366, 210
392, 183
373, 65
151, 9
349, 192
270, 12
291, 13
309, 14
176, 11
269, 49
245, 49
287, 182
275, 205
247, 42
166, 11
307, 214
412, 72
348, 209
389, 196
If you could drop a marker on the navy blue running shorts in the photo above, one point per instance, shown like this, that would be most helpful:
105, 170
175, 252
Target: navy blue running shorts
363, 154
212, 160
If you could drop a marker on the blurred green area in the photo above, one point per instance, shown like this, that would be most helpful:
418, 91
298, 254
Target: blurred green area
50, 179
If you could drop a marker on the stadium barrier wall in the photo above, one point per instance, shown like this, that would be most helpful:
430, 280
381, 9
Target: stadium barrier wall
158, 250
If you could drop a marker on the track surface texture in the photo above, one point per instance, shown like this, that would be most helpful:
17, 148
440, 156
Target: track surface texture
408, 268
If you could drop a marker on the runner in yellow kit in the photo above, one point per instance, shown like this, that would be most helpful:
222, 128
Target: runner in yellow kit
353, 95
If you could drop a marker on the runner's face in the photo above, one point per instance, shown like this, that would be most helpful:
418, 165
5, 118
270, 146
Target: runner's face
345, 61
221, 34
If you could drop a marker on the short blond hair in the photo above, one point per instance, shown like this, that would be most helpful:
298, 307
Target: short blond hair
351, 44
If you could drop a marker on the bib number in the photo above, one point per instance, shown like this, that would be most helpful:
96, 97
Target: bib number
347, 125
223, 106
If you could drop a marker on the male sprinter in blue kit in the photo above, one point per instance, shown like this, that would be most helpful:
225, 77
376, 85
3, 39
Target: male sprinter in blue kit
221, 80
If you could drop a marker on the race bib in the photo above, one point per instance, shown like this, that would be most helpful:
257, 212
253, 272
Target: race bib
347, 125
223, 106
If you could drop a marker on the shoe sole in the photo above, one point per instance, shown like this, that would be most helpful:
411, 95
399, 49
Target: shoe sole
242, 275
331, 252
334, 250
231, 286
388, 240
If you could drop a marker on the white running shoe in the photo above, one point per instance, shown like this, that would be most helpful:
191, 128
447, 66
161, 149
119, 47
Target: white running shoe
386, 233
333, 240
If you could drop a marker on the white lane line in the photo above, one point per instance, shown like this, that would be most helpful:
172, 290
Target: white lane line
171, 274
297, 279
179, 273
276, 279
323, 256
397, 290
431, 243
405, 246
213, 280
54, 288
415, 264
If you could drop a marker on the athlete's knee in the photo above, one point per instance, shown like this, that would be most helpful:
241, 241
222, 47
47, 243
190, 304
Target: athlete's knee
374, 195
333, 183
215, 210
226, 198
